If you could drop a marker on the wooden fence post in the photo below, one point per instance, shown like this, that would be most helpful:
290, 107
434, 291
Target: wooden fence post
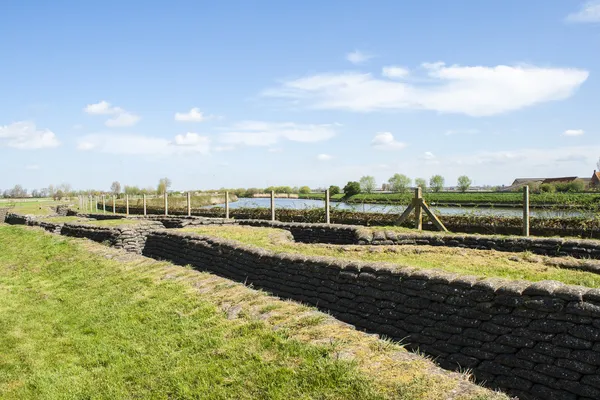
226, 205
166, 204
144, 200
189, 204
96, 199
272, 205
418, 210
114, 205
104, 204
90, 198
327, 217
526, 210
126, 204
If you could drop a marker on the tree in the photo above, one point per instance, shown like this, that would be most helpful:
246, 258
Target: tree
422, 183
367, 184
436, 183
58, 195
115, 188
399, 183
163, 185
352, 188
333, 190
464, 183
304, 190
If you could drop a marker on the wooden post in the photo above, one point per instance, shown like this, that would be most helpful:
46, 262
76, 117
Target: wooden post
526, 210
272, 205
90, 203
189, 204
104, 204
166, 203
327, 217
114, 206
226, 205
96, 199
126, 204
144, 200
418, 210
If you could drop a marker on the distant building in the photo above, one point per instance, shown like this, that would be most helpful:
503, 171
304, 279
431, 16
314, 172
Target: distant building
595, 181
565, 179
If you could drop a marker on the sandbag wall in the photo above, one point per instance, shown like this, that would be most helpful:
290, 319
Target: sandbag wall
130, 238
535, 340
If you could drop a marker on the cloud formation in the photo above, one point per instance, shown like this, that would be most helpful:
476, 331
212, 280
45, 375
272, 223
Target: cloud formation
573, 132
121, 118
472, 90
395, 72
588, 12
358, 57
190, 143
324, 157
258, 133
194, 115
386, 141
24, 135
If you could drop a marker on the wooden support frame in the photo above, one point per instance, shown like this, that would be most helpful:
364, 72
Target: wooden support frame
418, 205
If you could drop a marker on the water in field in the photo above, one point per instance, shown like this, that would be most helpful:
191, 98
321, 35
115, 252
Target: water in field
301, 204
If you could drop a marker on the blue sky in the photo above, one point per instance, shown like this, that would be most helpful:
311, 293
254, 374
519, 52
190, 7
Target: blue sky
252, 94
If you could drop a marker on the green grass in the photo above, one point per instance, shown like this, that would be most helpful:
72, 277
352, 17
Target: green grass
76, 325
115, 222
33, 206
482, 263
62, 220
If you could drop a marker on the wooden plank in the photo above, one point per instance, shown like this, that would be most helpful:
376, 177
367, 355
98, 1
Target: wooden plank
526, 210
405, 214
418, 201
436, 221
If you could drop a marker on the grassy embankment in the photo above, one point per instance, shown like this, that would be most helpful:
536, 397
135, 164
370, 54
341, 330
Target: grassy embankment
79, 320
483, 263
583, 200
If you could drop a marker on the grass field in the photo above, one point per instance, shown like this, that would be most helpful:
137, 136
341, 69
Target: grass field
82, 321
562, 199
483, 263
33, 206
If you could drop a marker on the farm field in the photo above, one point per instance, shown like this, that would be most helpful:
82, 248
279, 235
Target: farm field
80, 320
583, 200
482, 263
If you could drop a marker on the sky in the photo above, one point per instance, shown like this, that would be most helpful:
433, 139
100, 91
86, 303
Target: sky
254, 94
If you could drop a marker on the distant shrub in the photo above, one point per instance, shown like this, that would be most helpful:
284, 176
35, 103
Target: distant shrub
547, 188
333, 190
352, 188
304, 190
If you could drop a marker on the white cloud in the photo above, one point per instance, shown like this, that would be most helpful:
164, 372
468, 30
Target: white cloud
24, 135
358, 57
101, 108
588, 12
386, 141
258, 133
475, 91
32, 167
573, 132
190, 143
121, 117
395, 72
122, 120
324, 157
275, 150
429, 155
194, 115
